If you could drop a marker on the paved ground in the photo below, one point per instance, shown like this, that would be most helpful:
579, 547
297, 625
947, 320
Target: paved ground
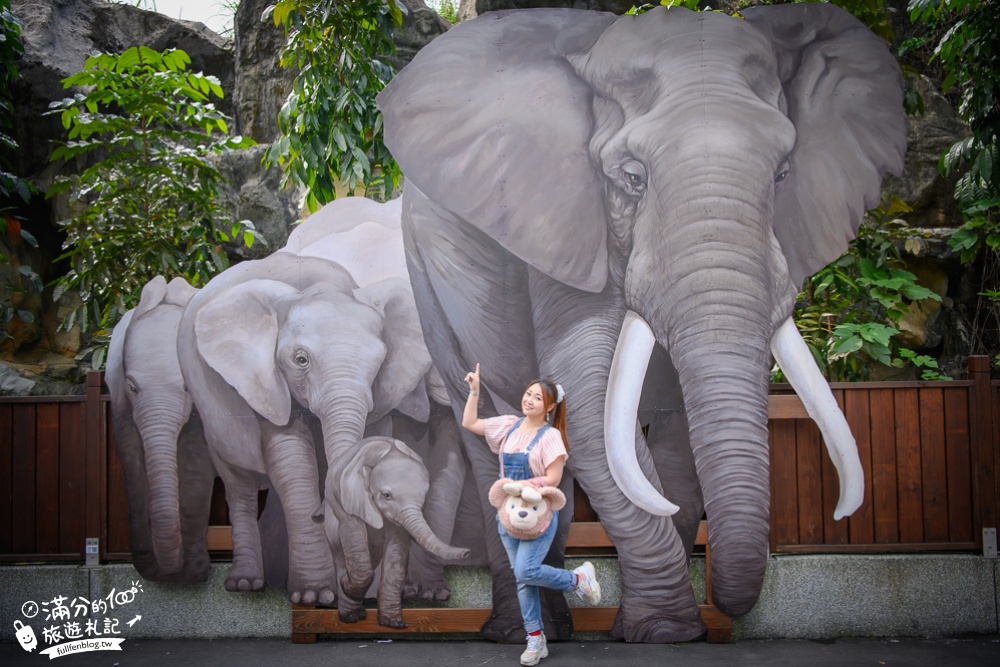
416, 653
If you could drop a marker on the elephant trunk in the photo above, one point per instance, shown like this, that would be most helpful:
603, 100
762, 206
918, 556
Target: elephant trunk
159, 429
413, 522
709, 301
343, 412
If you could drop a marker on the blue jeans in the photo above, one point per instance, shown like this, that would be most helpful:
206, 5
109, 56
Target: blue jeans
526, 558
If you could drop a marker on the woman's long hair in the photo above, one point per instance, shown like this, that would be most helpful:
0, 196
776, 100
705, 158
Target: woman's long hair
549, 394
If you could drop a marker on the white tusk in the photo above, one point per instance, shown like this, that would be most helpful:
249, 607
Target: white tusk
795, 359
621, 406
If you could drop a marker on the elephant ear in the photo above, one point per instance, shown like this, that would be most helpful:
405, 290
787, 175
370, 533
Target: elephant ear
491, 122
844, 92
407, 360
179, 292
114, 369
237, 335
152, 294
355, 496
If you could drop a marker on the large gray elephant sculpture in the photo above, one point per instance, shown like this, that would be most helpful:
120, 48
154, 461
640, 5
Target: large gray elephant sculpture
269, 345
158, 437
377, 494
628, 205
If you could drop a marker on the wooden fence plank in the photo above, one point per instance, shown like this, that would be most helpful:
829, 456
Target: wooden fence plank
834, 532
911, 519
784, 494
47, 478
23, 481
984, 448
861, 524
807, 450
96, 447
72, 460
885, 508
933, 468
6, 477
959, 463
117, 514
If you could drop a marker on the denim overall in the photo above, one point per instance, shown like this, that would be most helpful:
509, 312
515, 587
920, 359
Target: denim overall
526, 556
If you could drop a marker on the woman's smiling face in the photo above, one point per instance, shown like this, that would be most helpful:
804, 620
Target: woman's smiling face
533, 402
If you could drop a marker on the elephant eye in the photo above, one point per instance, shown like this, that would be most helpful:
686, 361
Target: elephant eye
783, 172
132, 388
301, 359
633, 175
387, 495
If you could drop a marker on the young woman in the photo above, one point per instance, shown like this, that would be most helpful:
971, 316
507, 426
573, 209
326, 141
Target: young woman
532, 448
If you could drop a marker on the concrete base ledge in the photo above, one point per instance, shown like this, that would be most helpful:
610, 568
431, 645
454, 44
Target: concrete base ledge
804, 597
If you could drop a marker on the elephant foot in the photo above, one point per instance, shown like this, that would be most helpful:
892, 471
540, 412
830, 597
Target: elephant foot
659, 629
322, 596
431, 591
241, 579
352, 615
391, 620
504, 629
556, 616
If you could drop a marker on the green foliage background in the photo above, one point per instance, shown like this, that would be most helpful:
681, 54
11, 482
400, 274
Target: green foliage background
148, 201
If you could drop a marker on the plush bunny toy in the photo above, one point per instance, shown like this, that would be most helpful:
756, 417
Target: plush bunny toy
525, 512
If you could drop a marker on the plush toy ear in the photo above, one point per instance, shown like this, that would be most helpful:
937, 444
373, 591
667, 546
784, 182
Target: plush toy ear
531, 494
555, 498
355, 496
406, 357
498, 495
491, 122
844, 92
237, 334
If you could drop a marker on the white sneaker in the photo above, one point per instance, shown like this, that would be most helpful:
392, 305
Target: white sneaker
536, 650
588, 589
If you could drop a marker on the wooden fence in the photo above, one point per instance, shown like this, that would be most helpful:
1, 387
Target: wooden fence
930, 450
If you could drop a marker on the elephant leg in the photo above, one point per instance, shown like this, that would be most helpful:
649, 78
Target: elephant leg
390, 588
290, 458
247, 570
196, 477
358, 565
477, 319
658, 604
446, 467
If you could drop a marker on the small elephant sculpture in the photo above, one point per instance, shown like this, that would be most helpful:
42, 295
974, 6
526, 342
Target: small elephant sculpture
524, 511
376, 491
267, 346
159, 439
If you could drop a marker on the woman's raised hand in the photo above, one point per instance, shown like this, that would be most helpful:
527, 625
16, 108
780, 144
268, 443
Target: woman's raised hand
473, 379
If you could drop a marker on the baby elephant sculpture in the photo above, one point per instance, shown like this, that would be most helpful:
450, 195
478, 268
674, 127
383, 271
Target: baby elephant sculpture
525, 512
376, 491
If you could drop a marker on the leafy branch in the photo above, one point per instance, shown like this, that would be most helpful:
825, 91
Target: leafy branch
330, 124
149, 200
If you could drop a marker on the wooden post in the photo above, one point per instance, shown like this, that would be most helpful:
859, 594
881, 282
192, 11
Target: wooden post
96, 487
985, 448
